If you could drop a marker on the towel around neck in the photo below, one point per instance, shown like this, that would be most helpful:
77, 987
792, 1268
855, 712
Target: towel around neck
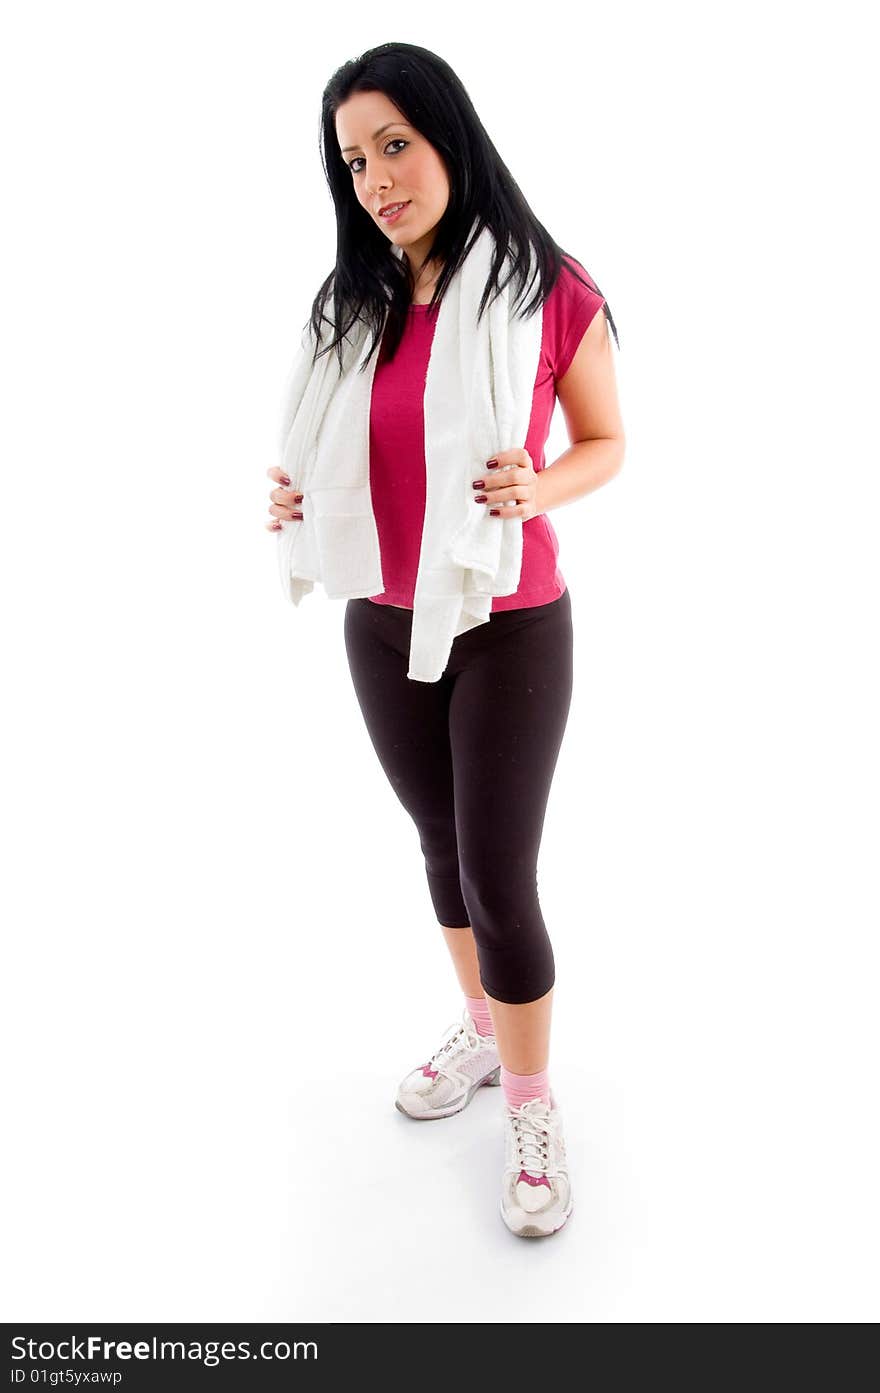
478, 401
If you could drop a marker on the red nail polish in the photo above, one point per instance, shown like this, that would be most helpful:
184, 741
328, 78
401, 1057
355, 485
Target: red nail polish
494, 512
492, 464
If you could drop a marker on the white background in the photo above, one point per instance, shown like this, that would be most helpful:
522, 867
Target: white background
219, 951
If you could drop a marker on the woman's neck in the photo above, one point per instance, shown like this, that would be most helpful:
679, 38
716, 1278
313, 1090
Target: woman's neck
426, 279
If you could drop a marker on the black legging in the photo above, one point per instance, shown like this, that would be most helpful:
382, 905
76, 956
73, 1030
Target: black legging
471, 758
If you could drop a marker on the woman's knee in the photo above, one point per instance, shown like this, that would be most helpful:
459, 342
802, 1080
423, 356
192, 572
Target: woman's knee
503, 906
438, 842
440, 852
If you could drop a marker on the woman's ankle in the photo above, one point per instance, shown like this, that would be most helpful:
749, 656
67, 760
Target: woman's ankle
479, 1009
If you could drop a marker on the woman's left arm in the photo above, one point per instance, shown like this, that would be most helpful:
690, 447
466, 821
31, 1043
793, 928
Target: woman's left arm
588, 397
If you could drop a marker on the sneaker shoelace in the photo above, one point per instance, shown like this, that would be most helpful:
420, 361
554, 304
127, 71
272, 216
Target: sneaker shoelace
532, 1126
457, 1037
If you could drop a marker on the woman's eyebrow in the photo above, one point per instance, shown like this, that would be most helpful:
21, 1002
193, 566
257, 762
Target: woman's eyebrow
376, 134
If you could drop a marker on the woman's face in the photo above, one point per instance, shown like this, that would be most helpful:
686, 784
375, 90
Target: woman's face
397, 165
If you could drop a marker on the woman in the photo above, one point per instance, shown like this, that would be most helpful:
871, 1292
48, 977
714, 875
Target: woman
471, 756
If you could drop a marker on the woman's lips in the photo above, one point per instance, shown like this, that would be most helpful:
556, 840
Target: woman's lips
392, 217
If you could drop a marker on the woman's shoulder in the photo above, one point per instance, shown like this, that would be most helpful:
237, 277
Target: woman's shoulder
575, 285
569, 310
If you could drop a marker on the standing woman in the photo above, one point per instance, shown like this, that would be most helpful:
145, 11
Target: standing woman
470, 746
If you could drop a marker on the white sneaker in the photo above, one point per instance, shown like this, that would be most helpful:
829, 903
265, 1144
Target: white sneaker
535, 1188
461, 1064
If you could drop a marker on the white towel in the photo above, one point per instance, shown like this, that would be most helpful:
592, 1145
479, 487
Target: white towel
478, 402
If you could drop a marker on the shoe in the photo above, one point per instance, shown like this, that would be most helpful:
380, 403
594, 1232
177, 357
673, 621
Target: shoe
535, 1188
461, 1064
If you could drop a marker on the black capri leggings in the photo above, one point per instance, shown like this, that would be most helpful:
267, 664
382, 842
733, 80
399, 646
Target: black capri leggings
471, 758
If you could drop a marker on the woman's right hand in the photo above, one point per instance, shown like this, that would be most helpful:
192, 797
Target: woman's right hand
283, 500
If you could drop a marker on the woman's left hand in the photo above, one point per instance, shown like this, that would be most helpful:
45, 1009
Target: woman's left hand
510, 486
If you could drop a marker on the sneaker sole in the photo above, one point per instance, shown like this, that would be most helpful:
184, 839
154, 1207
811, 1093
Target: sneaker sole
532, 1230
489, 1081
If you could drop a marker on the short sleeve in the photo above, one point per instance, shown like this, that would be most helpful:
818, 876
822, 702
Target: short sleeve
573, 307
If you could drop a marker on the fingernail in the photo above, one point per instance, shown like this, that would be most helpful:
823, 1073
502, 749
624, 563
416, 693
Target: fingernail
492, 464
479, 483
480, 498
297, 498
285, 481
493, 512
298, 515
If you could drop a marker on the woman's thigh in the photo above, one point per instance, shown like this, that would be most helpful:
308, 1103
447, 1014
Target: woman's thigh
407, 721
507, 719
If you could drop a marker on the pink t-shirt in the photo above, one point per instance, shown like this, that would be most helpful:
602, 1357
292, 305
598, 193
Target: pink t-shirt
397, 446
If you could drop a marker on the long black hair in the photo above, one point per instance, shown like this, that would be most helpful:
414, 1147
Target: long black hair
369, 282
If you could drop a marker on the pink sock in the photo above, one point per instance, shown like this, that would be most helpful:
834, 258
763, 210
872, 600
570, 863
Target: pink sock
520, 1088
479, 1009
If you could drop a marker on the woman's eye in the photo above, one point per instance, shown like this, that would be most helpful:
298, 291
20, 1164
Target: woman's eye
398, 140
